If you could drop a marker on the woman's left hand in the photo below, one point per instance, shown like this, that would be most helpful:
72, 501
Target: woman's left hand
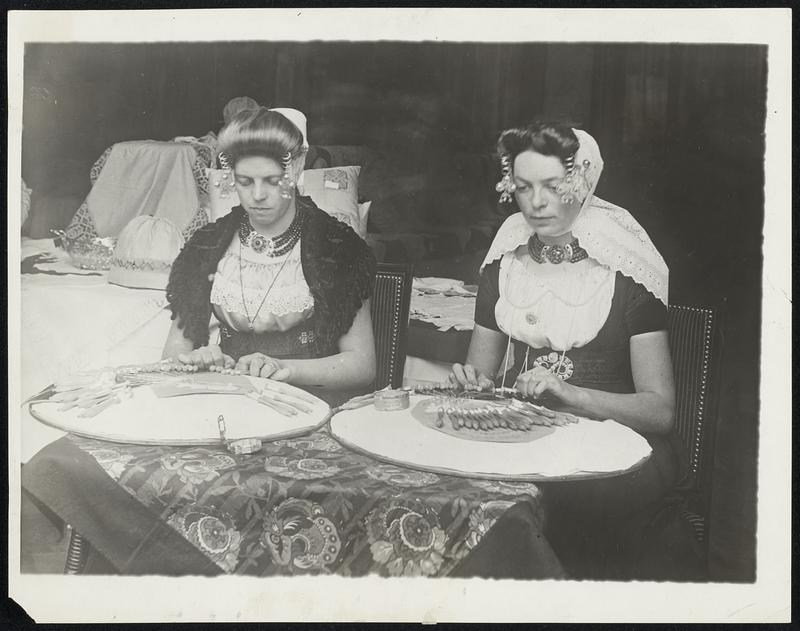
539, 381
260, 365
209, 357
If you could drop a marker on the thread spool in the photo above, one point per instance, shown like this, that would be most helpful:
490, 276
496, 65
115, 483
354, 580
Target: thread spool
391, 400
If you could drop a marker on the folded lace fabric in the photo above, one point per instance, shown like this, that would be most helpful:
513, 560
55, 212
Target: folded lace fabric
432, 284
444, 311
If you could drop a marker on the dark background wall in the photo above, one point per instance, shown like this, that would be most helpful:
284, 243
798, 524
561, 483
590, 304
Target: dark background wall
680, 128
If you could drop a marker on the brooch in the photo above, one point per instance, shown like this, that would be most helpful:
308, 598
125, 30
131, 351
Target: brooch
561, 367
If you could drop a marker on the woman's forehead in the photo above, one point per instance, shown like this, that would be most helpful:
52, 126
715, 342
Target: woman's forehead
533, 166
257, 166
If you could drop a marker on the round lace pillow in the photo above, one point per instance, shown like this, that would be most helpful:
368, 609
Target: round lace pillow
144, 253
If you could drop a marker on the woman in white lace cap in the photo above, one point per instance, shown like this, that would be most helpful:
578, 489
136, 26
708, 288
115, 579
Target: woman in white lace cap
289, 284
575, 285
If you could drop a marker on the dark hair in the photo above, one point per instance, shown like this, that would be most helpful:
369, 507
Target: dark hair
260, 132
544, 137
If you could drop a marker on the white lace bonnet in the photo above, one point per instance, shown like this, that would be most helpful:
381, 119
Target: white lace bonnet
607, 232
144, 253
299, 120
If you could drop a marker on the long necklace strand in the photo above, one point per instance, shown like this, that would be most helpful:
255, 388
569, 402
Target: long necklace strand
250, 323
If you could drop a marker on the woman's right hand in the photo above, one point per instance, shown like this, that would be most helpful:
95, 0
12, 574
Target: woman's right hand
207, 356
260, 365
469, 378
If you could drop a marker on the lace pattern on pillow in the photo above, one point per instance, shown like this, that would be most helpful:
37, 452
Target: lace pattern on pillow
82, 225
142, 265
335, 179
94, 172
203, 161
199, 220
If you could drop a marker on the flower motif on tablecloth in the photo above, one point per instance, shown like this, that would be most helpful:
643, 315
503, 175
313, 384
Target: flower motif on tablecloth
483, 518
406, 538
111, 459
195, 466
211, 531
315, 442
507, 487
300, 468
257, 485
300, 536
400, 477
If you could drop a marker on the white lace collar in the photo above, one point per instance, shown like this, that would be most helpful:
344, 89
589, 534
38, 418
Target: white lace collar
607, 232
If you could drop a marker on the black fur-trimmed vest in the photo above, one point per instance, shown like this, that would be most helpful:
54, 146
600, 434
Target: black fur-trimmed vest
337, 264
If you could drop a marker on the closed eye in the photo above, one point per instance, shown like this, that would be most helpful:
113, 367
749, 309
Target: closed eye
246, 181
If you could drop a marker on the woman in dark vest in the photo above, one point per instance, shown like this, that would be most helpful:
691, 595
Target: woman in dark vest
289, 285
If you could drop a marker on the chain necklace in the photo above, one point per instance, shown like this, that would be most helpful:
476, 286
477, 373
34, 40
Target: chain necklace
275, 246
251, 321
571, 252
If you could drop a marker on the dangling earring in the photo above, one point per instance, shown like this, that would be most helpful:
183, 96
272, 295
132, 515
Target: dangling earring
287, 182
505, 186
226, 183
574, 184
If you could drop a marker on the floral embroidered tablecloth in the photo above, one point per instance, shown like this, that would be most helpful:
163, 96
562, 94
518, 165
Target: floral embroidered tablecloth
309, 505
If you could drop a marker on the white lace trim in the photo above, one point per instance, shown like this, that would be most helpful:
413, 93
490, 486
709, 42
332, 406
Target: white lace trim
607, 232
612, 236
278, 303
553, 306
289, 294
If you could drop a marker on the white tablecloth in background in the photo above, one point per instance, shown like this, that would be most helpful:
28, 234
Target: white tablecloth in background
444, 302
78, 322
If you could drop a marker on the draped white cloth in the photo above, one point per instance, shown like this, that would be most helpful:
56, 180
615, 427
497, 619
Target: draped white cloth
144, 178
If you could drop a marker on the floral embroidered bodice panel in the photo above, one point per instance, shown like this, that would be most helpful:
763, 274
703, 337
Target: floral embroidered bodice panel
239, 289
553, 306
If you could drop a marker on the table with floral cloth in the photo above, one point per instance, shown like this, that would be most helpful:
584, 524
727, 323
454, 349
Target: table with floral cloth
303, 505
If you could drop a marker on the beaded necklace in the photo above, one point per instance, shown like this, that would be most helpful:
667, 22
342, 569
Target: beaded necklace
275, 246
